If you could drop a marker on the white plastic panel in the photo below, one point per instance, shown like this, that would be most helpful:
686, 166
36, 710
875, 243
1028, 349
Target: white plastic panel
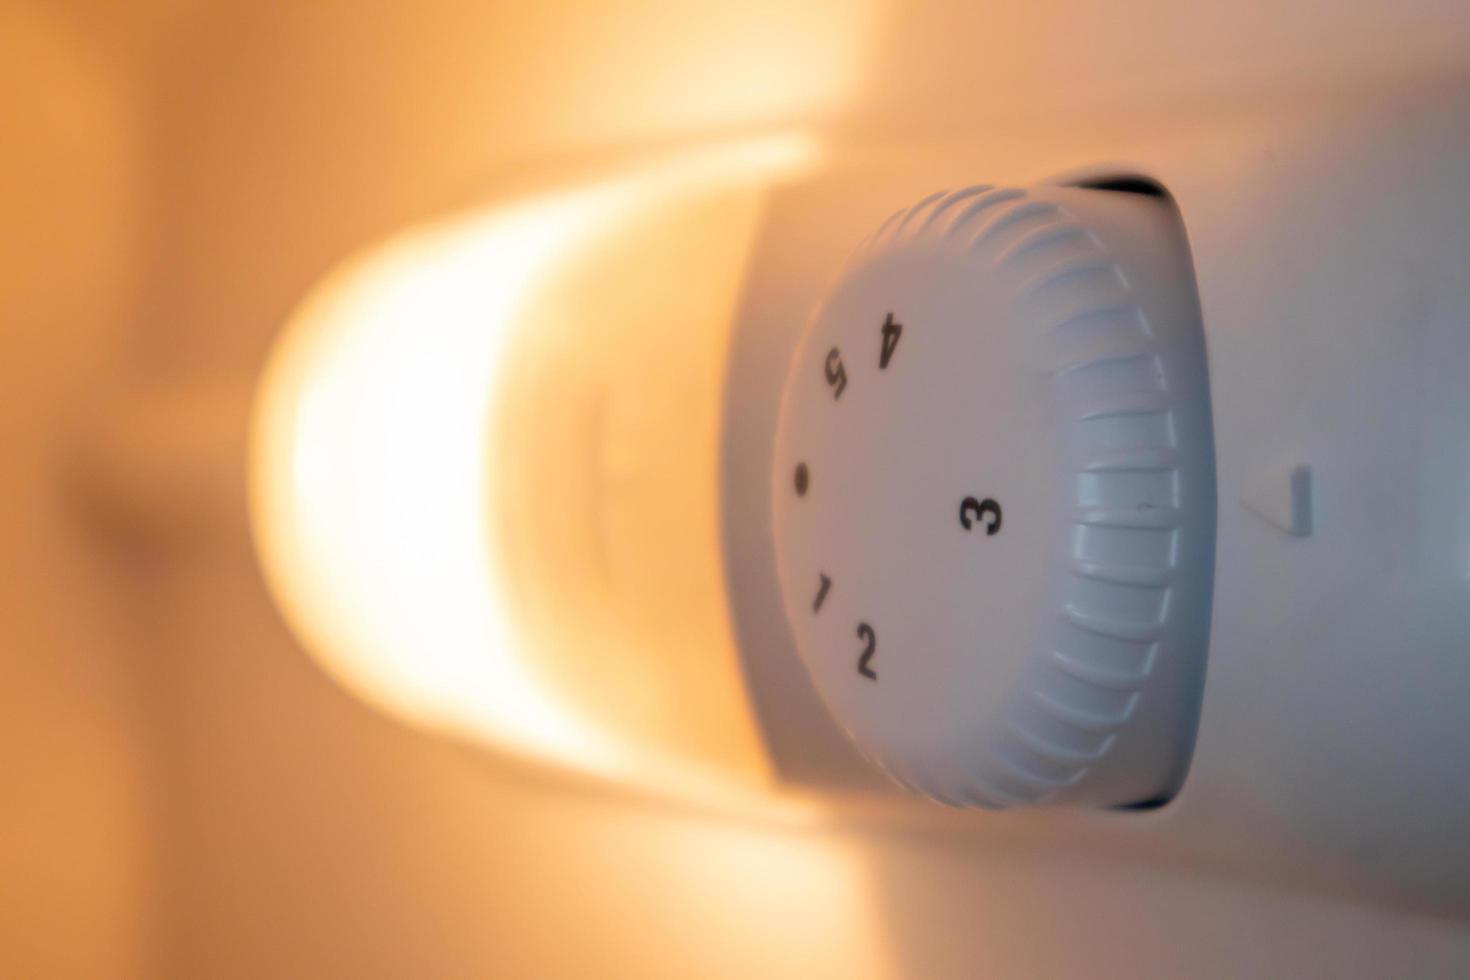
1330, 243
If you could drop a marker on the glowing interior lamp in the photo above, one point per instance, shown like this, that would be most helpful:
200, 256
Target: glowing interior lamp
484, 461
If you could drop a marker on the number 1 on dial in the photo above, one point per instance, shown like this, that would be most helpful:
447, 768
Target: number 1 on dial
821, 593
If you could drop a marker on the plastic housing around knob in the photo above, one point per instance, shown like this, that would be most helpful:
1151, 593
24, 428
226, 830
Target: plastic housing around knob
994, 498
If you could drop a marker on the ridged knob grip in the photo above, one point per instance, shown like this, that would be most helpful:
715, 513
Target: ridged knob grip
994, 498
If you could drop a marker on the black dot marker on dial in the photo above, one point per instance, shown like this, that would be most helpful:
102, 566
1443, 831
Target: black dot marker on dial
803, 479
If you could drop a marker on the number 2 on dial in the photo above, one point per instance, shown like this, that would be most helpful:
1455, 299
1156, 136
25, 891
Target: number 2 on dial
865, 659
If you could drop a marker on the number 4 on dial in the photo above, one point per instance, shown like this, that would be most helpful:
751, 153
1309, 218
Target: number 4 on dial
891, 332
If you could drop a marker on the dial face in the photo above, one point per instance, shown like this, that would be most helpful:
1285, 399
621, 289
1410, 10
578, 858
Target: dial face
911, 520
994, 503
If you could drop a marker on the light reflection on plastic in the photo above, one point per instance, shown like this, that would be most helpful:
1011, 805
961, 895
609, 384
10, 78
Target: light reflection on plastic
368, 484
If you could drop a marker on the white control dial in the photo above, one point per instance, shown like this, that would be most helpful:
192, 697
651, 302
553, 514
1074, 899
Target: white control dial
994, 498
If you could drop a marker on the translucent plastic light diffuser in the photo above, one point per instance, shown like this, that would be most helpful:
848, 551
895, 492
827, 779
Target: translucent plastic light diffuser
417, 433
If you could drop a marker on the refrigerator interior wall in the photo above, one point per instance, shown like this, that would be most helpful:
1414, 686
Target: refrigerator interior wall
188, 794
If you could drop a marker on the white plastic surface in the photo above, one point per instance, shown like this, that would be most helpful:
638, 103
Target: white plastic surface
994, 498
1329, 241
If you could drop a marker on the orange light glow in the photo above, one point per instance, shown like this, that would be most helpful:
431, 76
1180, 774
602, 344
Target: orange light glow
392, 441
